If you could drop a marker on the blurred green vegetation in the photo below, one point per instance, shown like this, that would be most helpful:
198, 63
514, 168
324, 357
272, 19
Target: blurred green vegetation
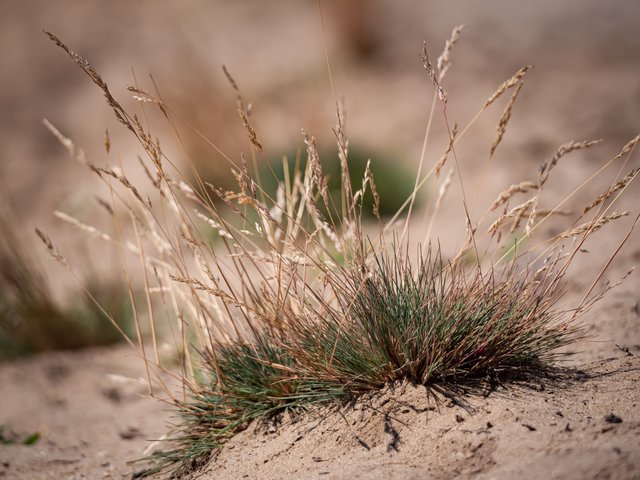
9, 437
393, 182
32, 320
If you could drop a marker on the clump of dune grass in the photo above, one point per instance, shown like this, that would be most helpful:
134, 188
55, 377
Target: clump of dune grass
303, 302
32, 320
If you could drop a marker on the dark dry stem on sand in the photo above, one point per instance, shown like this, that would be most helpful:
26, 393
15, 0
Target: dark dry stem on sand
297, 306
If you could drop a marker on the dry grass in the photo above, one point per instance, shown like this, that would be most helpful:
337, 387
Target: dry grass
302, 301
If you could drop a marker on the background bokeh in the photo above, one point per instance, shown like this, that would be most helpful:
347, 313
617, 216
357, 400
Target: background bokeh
585, 82
584, 85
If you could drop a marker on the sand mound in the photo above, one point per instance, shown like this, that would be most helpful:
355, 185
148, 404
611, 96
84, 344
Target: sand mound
549, 431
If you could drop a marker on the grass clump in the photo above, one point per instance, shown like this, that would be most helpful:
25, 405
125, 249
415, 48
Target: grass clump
433, 322
304, 302
428, 323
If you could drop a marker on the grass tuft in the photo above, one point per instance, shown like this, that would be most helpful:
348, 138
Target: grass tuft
303, 301
428, 323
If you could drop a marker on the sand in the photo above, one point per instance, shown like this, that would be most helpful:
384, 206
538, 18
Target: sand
91, 409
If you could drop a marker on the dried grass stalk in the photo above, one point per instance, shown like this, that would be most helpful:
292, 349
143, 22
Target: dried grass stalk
253, 137
426, 63
74, 151
317, 178
53, 251
516, 213
612, 190
590, 227
444, 60
120, 113
93, 231
504, 119
504, 197
343, 155
628, 147
510, 83
563, 150
368, 174
443, 159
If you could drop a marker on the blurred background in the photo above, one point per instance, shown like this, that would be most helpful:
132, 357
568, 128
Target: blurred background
586, 84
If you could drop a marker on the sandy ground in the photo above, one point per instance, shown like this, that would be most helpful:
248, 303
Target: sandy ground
556, 432
585, 85
91, 409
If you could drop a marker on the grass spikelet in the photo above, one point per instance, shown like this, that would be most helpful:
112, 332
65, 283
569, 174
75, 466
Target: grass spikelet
444, 60
348, 206
75, 152
317, 178
594, 225
517, 213
426, 63
119, 112
504, 196
372, 184
510, 83
612, 190
563, 150
628, 147
78, 224
53, 251
253, 137
504, 119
